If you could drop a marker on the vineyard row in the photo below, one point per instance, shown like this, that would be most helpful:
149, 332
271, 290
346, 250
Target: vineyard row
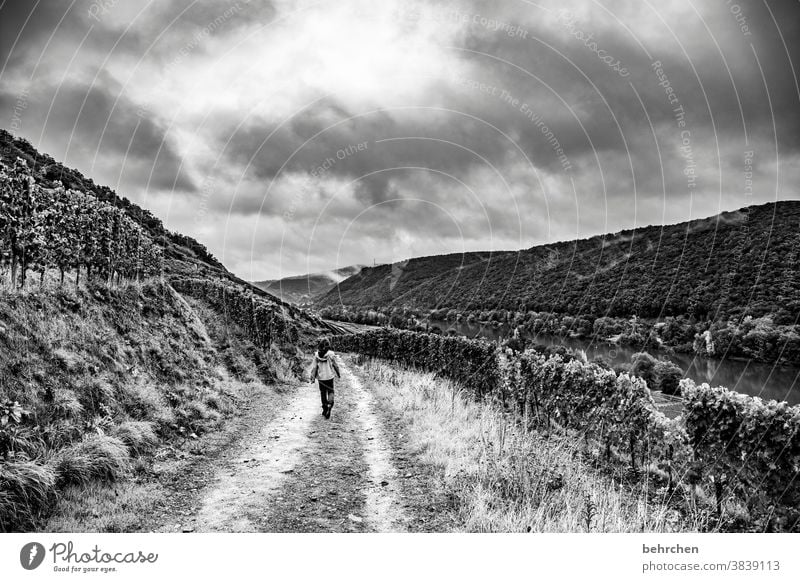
736, 446
53, 228
263, 322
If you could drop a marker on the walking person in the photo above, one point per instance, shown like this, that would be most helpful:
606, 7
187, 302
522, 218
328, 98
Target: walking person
325, 365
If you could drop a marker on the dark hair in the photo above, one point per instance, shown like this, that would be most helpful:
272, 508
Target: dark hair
324, 346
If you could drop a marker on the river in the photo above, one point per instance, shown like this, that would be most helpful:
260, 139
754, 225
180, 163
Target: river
767, 381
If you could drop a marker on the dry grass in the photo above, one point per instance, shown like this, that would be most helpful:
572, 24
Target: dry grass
509, 479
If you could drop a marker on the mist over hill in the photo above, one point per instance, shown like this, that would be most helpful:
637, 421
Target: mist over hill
303, 289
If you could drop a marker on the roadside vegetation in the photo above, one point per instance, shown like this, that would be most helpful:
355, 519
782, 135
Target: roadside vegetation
730, 458
510, 479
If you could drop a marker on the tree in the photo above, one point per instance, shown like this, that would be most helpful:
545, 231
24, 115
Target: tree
667, 377
643, 365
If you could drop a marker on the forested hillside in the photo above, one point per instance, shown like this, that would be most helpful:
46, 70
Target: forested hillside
737, 263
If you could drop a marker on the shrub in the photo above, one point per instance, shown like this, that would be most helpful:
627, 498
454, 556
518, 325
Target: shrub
750, 443
196, 417
66, 404
667, 377
142, 401
473, 363
95, 394
60, 432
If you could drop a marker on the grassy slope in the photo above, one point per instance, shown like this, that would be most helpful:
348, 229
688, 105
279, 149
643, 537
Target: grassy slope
150, 499
714, 265
107, 377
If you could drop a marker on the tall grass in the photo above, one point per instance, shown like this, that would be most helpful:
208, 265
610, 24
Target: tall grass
137, 435
508, 478
95, 458
26, 491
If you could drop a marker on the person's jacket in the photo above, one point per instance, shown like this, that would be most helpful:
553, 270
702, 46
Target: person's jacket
326, 366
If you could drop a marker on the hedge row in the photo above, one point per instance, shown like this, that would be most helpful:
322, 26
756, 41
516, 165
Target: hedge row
737, 446
472, 363
263, 322
615, 410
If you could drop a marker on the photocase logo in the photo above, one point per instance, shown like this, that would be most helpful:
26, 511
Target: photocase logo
32, 555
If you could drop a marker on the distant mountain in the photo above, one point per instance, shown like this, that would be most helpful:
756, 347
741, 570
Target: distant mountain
741, 262
307, 288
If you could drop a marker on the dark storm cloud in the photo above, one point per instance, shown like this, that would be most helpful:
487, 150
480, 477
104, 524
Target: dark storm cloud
23, 23
554, 83
523, 111
28, 29
321, 142
477, 129
774, 24
695, 59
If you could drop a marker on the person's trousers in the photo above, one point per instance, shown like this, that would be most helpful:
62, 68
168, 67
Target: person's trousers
326, 394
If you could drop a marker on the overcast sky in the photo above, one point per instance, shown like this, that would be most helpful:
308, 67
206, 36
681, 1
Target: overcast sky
294, 137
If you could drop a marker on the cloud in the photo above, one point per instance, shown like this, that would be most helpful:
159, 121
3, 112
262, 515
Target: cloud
97, 126
311, 132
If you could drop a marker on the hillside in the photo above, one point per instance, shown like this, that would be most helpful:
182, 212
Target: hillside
303, 289
736, 263
183, 253
129, 344
183, 256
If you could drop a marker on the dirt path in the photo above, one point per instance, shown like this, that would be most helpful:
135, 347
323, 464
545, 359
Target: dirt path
300, 472
262, 464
